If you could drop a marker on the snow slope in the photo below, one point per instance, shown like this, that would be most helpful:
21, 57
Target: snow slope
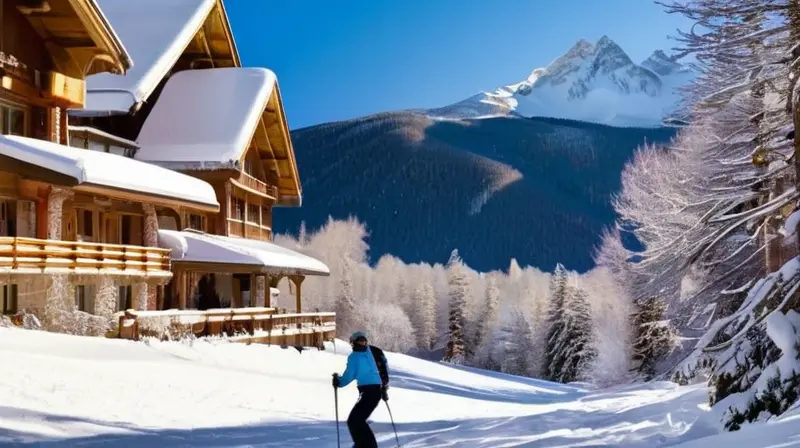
594, 82
60, 390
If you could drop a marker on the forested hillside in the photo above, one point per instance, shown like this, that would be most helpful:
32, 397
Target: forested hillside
538, 190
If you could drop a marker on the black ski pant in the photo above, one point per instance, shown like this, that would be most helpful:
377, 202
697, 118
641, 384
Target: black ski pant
360, 431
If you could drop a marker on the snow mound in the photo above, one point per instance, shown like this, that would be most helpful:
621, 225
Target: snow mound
67, 390
594, 82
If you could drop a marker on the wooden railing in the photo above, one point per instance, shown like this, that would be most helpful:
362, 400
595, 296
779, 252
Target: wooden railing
255, 324
258, 185
31, 255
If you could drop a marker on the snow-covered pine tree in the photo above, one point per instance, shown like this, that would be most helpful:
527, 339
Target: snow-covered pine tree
345, 308
423, 317
458, 286
581, 348
653, 336
556, 324
517, 356
570, 347
486, 320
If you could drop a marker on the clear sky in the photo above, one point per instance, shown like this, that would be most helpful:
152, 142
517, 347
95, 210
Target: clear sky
339, 59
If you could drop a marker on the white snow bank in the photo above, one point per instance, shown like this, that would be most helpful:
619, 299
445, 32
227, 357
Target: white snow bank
108, 170
193, 246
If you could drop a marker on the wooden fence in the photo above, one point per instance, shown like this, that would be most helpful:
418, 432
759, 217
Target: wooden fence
255, 324
33, 256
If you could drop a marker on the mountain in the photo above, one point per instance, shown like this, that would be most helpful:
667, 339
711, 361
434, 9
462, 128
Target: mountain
594, 82
537, 190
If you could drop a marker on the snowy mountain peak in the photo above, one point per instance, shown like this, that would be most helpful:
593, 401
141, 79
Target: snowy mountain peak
595, 82
662, 64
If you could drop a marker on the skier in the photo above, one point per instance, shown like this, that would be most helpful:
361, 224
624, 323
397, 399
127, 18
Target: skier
367, 365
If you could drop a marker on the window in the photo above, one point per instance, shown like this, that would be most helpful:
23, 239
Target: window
84, 298
85, 228
125, 298
197, 222
8, 299
238, 208
6, 220
12, 120
252, 213
248, 167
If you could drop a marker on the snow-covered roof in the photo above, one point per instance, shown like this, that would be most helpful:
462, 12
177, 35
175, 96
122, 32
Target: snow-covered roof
101, 169
205, 118
198, 247
155, 33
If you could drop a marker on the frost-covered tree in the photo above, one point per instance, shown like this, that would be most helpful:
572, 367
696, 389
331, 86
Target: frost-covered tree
518, 360
346, 313
459, 289
486, 320
653, 336
570, 348
556, 324
424, 315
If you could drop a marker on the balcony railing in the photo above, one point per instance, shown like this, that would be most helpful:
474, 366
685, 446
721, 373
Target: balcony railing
31, 256
255, 184
255, 324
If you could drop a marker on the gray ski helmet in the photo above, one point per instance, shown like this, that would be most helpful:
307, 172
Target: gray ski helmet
357, 335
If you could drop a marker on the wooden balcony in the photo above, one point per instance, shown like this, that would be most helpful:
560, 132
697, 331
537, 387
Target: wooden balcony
257, 324
249, 182
35, 256
250, 230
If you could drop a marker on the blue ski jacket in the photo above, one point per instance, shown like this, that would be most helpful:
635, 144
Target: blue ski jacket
361, 367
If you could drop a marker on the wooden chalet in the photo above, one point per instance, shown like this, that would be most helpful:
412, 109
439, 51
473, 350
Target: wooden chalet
188, 106
78, 228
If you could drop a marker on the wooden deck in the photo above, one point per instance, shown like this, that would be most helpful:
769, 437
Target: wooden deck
248, 325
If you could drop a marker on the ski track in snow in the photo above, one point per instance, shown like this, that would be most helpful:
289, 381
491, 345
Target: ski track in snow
67, 391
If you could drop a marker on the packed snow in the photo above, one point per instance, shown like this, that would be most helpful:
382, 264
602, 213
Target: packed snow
66, 390
594, 82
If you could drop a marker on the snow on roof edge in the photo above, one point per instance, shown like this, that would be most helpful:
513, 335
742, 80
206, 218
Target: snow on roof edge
108, 170
221, 249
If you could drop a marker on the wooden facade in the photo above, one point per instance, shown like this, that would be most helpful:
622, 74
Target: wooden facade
66, 246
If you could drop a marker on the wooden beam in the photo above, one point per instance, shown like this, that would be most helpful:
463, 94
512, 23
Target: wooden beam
298, 295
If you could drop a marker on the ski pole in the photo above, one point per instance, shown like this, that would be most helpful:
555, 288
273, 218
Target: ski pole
393, 426
336, 405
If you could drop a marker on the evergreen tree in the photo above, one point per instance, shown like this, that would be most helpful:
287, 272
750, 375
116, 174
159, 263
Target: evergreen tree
570, 346
653, 337
486, 319
518, 362
555, 323
345, 302
458, 286
424, 315
579, 337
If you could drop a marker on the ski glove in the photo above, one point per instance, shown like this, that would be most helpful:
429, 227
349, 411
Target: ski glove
335, 380
385, 392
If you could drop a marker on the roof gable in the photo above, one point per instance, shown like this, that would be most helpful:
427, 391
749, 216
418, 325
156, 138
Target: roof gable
156, 34
208, 119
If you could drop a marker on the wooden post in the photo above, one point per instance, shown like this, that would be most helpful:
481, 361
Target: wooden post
182, 290
298, 297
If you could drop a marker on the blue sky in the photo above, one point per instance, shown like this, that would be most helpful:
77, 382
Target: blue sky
343, 59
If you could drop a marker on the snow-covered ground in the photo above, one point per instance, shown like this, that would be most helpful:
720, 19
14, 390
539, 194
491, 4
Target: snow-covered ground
60, 390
